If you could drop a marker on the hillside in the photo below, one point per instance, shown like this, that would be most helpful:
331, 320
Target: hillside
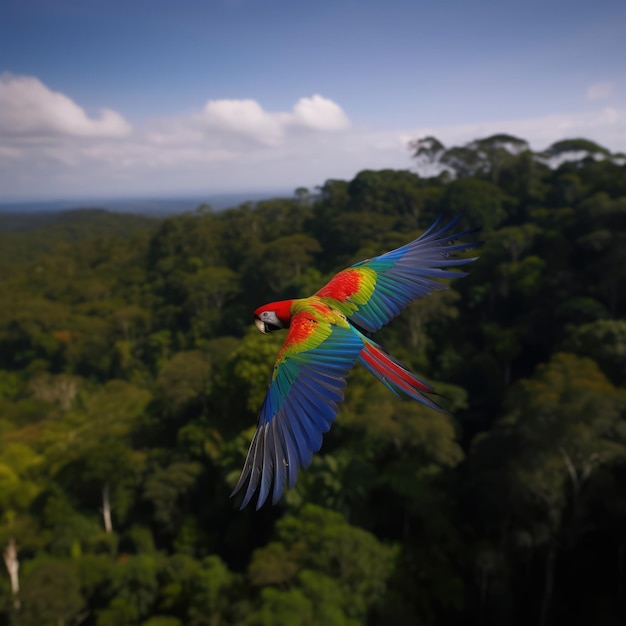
24, 236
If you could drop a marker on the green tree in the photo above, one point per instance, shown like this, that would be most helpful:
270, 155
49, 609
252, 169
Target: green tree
183, 381
481, 202
605, 342
212, 598
51, 593
20, 483
281, 263
96, 441
563, 428
323, 543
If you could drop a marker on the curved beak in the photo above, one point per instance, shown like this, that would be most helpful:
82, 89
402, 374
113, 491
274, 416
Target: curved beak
270, 323
262, 326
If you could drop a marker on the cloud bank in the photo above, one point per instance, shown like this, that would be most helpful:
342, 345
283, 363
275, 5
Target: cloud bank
28, 109
49, 145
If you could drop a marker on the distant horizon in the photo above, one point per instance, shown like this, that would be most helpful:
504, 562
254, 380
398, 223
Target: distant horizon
139, 195
141, 203
168, 201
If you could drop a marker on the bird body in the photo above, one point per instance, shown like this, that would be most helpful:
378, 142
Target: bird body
327, 334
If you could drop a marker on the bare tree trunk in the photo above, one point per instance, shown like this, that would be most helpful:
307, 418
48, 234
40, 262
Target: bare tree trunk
106, 509
12, 563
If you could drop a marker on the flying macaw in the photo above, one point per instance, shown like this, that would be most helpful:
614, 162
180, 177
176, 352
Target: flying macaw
328, 334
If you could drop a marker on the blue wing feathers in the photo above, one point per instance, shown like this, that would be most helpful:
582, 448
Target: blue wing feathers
408, 273
309, 427
321, 413
268, 464
329, 391
300, 405
293, 453
280, 475
254, 470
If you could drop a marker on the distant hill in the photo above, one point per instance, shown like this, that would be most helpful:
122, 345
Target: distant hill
75, 223
28, 229
24, 236
155, 207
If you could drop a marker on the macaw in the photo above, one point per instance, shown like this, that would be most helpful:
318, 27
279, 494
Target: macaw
327, 334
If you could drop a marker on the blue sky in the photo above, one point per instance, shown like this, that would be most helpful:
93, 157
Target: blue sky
150, 98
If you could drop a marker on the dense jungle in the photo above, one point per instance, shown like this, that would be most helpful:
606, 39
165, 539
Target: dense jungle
131, 376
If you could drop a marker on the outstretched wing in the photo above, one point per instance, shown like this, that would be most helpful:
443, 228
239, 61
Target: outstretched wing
371, 293
300, 405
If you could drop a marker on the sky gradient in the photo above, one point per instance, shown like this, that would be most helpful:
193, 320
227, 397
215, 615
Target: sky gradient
150, 98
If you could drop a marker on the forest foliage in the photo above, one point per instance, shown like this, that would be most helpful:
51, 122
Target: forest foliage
131, 376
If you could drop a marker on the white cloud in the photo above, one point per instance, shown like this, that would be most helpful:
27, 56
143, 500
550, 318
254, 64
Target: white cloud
227, 145
50, 145
319, 113
247, 118
605, 126
600, 91
29, 108
244, 117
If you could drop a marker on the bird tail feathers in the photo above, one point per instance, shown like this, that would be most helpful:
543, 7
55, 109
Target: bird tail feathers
395, 376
